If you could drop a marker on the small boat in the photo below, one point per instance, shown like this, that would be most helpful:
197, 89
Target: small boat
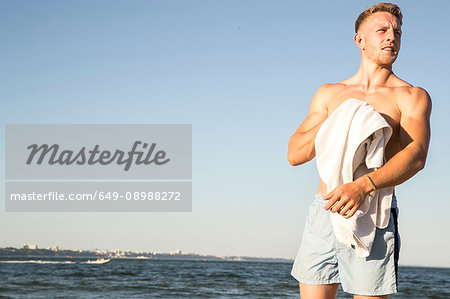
99, 261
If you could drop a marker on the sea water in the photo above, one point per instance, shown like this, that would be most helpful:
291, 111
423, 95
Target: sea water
150, 278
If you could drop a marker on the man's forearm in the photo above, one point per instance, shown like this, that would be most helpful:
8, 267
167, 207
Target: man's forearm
399, 168
301, 147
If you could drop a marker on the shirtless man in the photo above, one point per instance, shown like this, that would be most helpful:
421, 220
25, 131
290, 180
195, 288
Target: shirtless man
407, 109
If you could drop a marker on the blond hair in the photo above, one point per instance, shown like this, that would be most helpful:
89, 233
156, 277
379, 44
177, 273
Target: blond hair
386, 7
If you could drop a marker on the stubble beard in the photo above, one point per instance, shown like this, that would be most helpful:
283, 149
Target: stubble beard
380, 58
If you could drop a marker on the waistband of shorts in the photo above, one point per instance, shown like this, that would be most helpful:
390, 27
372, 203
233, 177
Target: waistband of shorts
319, 199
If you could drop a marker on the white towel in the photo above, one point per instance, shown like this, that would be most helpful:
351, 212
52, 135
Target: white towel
349, 144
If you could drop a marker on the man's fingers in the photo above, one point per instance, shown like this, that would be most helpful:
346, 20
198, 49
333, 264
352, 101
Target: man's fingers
352, 212
339, 205
331, 201
329, 195
346, 208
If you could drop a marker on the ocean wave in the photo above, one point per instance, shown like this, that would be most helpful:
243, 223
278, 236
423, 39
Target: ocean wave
36, 262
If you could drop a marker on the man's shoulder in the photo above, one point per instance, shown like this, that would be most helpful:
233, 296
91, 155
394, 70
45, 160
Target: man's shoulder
328, 90
407, 92
413, 100
409, 97
412, 92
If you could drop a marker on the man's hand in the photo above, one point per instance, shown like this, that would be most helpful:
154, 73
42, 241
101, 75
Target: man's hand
347, 198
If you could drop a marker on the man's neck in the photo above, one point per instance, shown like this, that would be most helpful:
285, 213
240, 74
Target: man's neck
370, 75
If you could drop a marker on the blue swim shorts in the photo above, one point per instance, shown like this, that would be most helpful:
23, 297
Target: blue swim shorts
321, 259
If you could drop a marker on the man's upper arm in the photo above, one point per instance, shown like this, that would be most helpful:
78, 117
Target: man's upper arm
301, 145
415, 121
318, 109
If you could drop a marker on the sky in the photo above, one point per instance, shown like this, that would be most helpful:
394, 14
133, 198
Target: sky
243, 74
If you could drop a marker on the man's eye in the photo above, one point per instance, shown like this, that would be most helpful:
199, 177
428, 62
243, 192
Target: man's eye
380, 30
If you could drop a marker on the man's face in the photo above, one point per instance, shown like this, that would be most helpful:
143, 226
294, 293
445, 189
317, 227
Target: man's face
381, 36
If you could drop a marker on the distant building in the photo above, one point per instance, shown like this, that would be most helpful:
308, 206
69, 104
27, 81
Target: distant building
30, 246
175, 252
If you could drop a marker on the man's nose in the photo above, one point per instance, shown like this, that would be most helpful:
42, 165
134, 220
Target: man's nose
391, 36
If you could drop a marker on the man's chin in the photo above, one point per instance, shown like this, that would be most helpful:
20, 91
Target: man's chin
387, 62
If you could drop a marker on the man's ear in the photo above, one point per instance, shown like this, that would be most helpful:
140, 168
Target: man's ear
359, 41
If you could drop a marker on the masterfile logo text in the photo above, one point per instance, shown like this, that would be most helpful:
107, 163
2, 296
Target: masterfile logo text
103, 167
53, 155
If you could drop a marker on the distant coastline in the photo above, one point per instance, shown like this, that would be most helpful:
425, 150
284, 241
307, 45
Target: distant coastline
55, 252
